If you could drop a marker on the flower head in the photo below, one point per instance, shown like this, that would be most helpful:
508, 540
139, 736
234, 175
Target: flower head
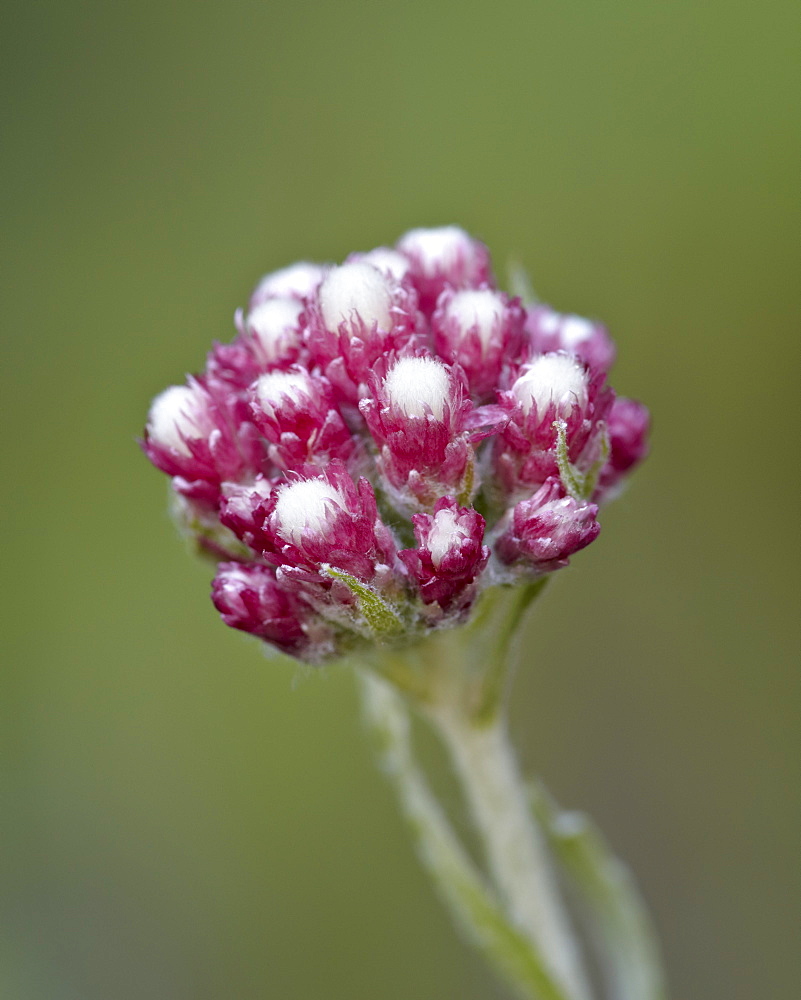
385, 439
442, 258
450, 554
416, 413
480, 329
544, 530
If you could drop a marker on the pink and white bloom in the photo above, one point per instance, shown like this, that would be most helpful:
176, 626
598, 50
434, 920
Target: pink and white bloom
450, 554
444, 257
552, 390
417, 415
200, 435
327, 519
401, 382
359, 314
481, 330
296, 413
273, 330
549, 331
249, 597
546, 529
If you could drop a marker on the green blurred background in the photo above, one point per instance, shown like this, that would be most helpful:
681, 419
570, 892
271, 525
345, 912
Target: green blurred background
186, 820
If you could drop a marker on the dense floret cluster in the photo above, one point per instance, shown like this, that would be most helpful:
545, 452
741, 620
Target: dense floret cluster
384, 439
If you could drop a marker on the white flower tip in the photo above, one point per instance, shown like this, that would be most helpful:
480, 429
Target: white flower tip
414, 384
443, 535
305, 506
273, 388
235, 576
174, 415
576, 330
356, 290
482, 309
389, 262
438, 248
274, 324
551, 378
296, 281
572, 330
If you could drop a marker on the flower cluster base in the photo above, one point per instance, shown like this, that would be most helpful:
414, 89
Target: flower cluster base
386, 439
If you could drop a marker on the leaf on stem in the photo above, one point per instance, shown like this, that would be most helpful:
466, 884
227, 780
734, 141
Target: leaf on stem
619, 922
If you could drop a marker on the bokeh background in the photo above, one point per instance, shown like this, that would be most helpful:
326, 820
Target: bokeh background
187, 820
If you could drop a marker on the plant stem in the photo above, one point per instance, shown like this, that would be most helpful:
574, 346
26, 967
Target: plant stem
472, 902
458, 680
516, 853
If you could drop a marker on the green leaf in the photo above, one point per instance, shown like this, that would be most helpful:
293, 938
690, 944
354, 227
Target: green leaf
572, 480
619, 922
378, 614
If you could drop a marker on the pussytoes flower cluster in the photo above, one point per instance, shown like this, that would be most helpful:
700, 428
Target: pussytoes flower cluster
385, 439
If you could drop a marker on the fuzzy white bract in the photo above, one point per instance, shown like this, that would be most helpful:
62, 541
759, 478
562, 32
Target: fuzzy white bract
389, 261
552, 378
482, 309
444, 534
416, 385
435, 248
305, 506
275, 325
356, 291
174, 416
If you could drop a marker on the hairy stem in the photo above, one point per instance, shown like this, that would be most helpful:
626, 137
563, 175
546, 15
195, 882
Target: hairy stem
516, 853
472, 902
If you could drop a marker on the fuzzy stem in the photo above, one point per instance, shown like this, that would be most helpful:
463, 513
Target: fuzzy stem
472, 902
516, 853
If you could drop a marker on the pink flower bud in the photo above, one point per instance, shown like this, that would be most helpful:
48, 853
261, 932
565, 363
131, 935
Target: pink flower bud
417, 417
481, 330
329, 519
232, 366
449, 556
244, 509
274, 330
550, 331
553, 384
179, 416
199, 434
295, 411
445, 257
249, 598
628, 424
358, 296
552, 388
548, 528
360, 313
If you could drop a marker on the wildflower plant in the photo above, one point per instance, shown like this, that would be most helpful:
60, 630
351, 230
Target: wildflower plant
386, 464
